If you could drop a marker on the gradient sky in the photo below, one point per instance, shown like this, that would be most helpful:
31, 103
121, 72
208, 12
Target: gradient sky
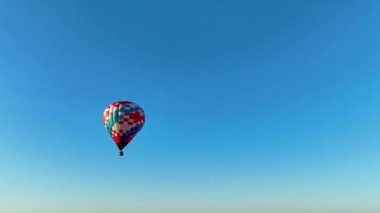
251, 106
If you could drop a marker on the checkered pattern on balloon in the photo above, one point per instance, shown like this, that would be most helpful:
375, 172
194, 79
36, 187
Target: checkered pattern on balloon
123, 120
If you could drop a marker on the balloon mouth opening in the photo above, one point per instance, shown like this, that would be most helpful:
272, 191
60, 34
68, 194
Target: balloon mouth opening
121, 153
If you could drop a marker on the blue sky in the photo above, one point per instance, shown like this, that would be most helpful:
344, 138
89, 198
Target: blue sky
251, 106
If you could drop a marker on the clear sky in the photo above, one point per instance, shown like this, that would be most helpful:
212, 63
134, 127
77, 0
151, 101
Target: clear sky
251, 106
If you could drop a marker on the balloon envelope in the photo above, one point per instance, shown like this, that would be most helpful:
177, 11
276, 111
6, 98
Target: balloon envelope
123, 120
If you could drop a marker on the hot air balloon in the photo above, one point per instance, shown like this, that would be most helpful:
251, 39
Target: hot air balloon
123, 120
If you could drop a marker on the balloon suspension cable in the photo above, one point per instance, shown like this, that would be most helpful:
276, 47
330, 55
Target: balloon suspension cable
121, 153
